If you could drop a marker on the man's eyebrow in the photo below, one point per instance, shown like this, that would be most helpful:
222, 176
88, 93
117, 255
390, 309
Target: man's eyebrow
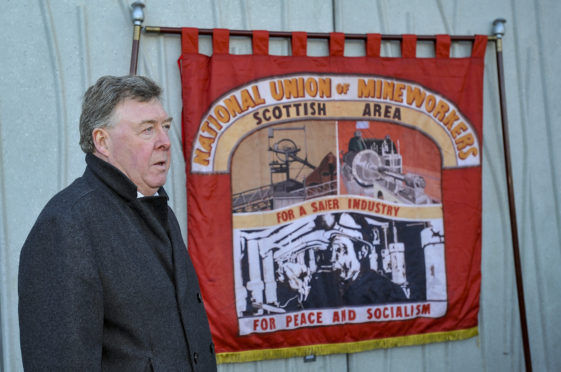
152, 121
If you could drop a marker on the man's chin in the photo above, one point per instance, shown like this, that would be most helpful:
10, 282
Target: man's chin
158, 181
151, 189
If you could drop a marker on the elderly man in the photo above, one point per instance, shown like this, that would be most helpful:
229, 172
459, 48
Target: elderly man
105, 281
359, 284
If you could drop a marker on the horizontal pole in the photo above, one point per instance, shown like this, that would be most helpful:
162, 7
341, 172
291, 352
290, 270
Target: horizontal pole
311, 35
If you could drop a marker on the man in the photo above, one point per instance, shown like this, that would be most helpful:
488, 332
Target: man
343, 257
359, 284
357, 144
105, 281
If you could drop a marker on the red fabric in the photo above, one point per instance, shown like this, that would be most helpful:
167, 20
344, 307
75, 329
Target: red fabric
409, 46
261, 42
479, 46
211, 80
220, 41
443, 43
337, 44
373, 44
299, 44
190, 40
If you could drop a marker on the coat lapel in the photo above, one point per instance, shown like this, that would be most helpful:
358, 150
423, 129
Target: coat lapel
179, 266
153, 211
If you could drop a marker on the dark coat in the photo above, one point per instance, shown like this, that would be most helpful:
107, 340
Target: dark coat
105, 283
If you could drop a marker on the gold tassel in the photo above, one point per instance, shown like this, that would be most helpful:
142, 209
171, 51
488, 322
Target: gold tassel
342, 348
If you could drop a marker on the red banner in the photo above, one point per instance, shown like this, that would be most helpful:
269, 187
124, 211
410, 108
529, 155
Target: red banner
334, 203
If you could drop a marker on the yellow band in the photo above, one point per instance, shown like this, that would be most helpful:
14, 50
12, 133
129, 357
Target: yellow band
348, 347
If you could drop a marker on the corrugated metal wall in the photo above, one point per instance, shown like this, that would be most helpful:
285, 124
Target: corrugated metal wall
51, 51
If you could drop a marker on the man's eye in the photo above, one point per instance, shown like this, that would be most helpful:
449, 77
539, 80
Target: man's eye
148, 129
167, 126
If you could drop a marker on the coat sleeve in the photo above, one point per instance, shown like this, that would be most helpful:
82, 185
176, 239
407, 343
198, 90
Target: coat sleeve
60, 297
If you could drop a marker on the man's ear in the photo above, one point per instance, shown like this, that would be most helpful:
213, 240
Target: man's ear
101, 141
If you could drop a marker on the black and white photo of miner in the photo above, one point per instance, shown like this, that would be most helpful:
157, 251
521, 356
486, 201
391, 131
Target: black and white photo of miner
335, 260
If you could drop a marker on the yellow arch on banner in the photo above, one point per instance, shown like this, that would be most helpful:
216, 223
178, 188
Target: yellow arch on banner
335, 110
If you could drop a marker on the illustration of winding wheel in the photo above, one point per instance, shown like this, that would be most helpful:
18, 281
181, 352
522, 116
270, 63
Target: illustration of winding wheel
285, 150
365, 167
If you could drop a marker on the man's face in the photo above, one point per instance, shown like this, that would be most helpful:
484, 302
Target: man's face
138, 143
343, 258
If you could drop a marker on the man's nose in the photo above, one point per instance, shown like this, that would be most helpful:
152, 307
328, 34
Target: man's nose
162, 141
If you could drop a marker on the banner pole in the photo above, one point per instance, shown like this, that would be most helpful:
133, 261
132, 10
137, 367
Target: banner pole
137, 15
310, 35
498, 31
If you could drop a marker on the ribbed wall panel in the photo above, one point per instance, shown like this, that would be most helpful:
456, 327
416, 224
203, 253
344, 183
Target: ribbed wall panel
52, 50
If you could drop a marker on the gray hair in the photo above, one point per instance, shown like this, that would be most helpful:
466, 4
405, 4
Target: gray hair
101, 99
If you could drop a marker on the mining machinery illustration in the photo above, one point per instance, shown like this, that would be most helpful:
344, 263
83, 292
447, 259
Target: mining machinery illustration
373, 167
287, 187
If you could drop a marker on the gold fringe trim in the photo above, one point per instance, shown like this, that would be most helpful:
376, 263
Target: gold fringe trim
342, 348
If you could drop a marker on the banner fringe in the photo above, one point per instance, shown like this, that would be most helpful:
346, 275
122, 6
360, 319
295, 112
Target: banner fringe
342, 348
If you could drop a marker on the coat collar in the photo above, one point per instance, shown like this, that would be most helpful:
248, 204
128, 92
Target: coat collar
115, 179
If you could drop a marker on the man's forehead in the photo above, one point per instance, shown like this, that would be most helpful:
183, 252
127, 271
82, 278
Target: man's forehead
141, 111
135, 101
